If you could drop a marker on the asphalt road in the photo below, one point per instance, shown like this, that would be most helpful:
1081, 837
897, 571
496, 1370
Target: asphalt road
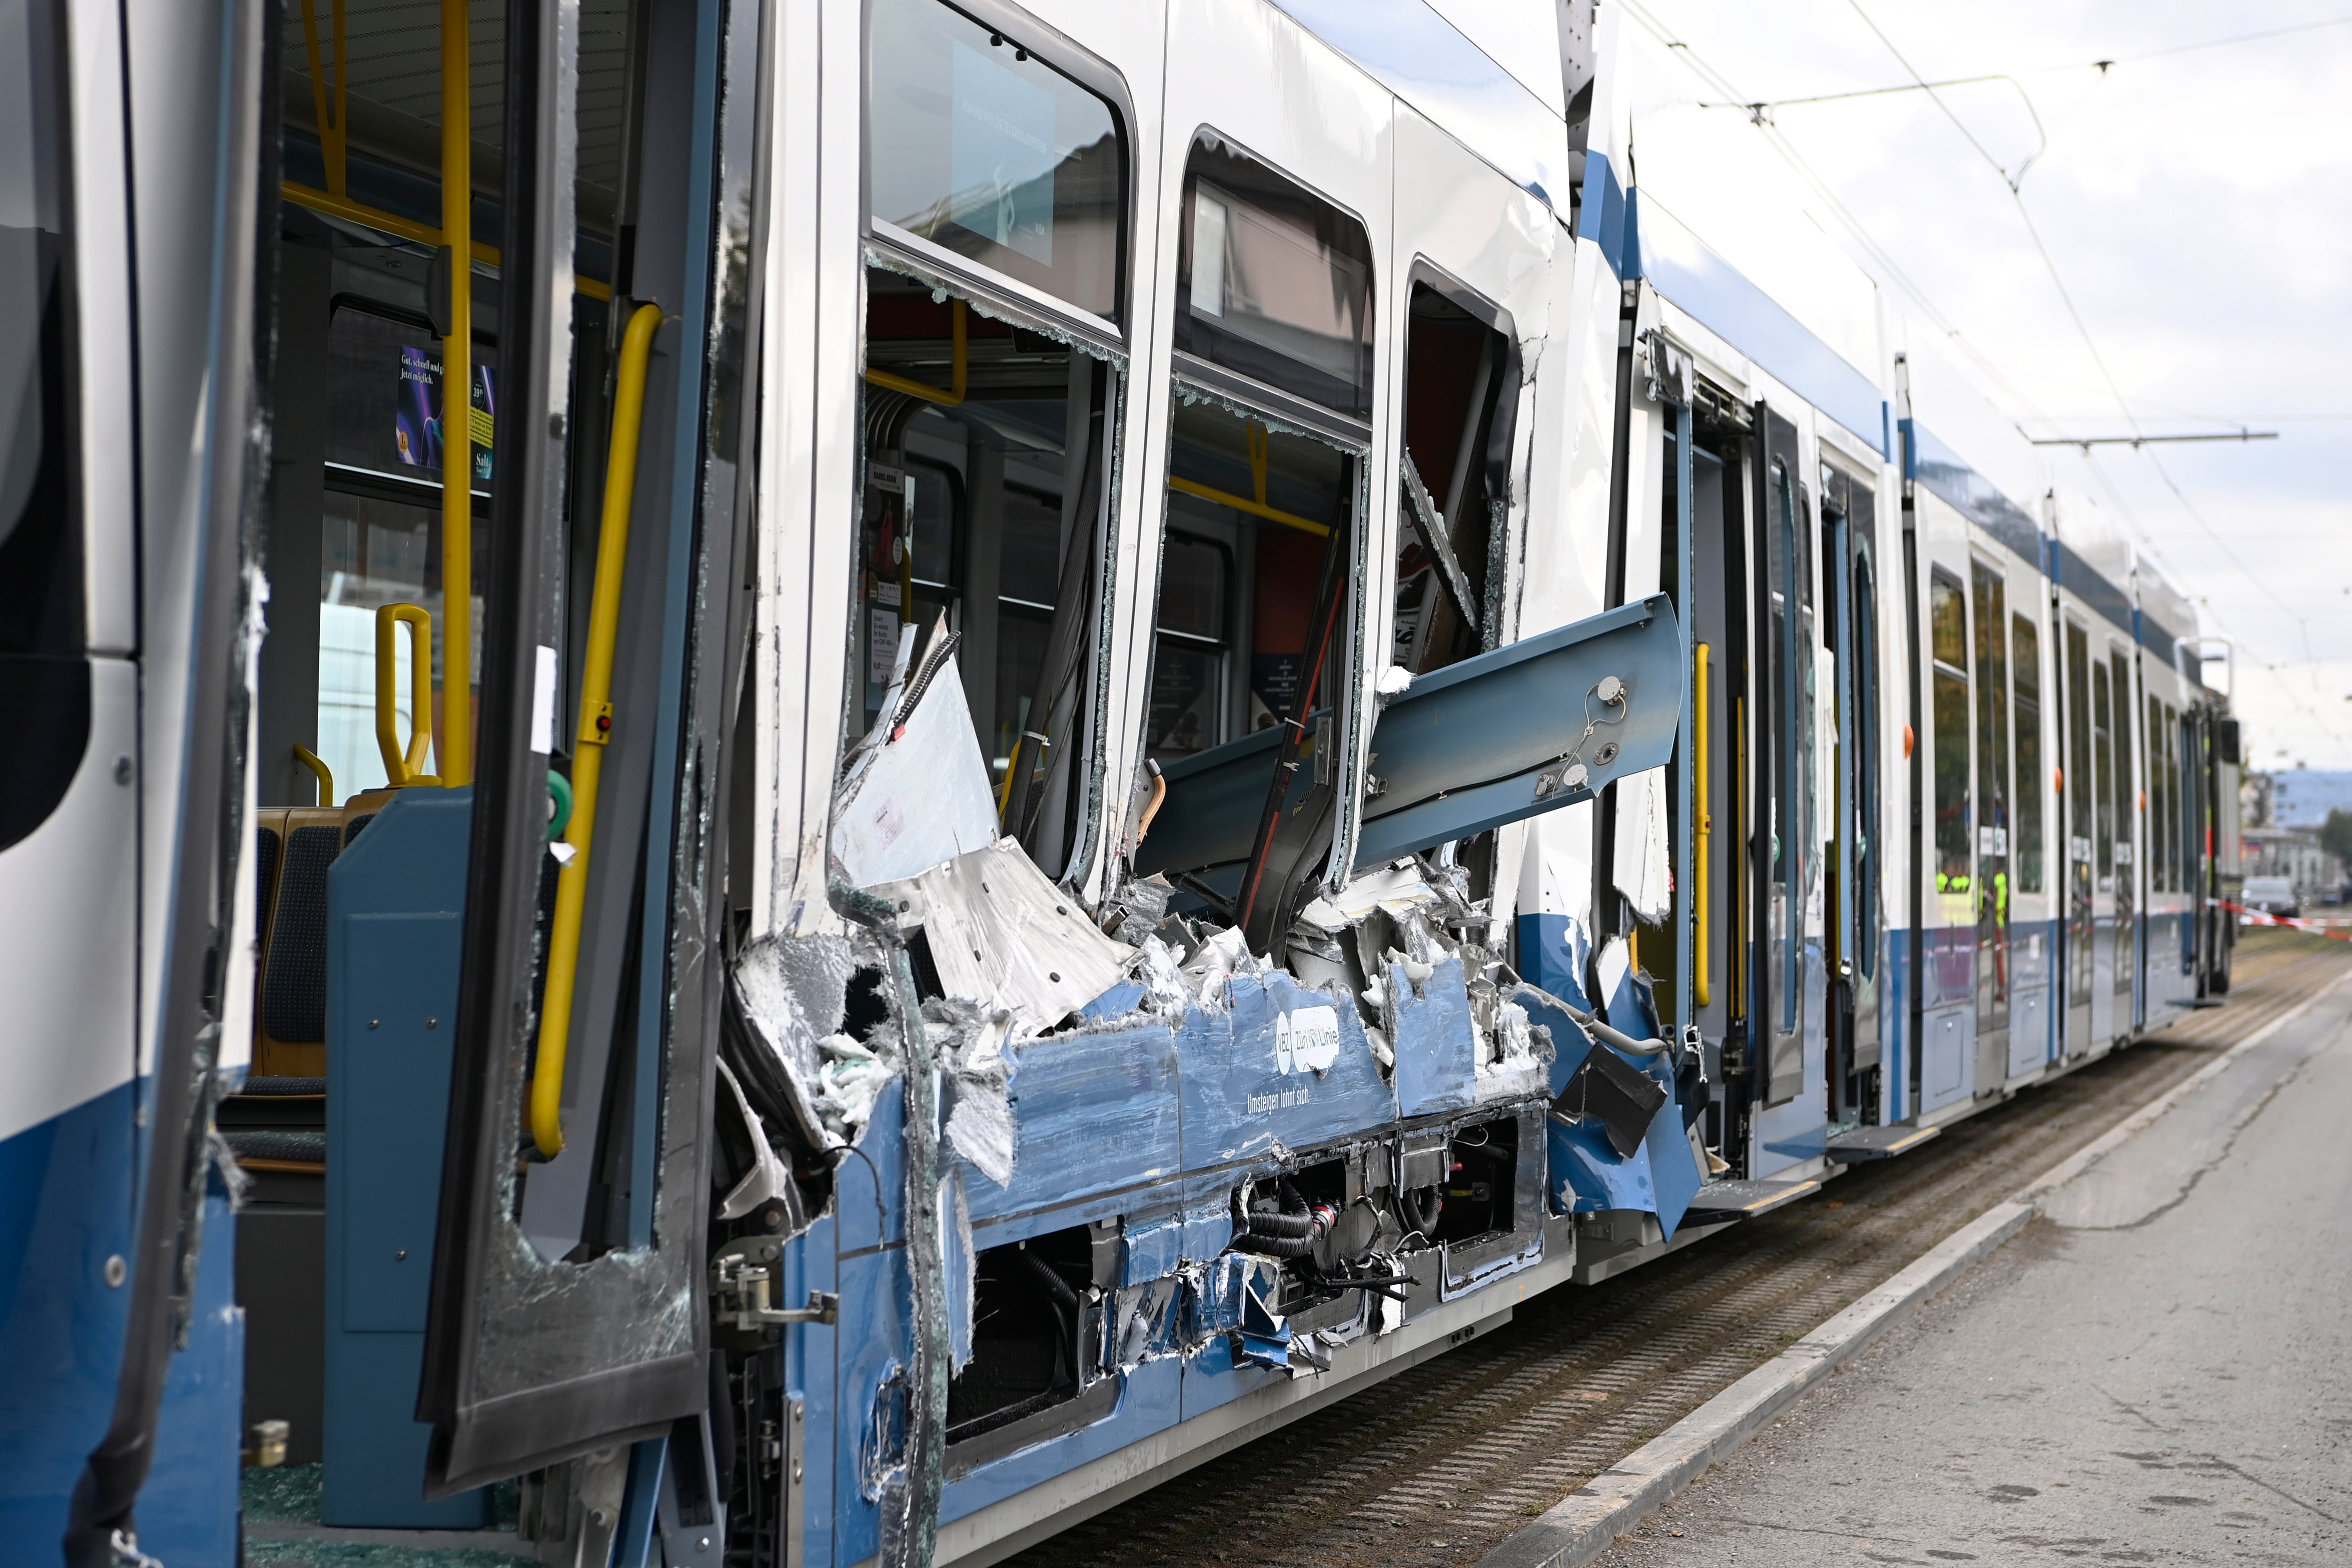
2159, 1370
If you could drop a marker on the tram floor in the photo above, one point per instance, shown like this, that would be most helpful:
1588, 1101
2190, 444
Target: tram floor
1439, 1464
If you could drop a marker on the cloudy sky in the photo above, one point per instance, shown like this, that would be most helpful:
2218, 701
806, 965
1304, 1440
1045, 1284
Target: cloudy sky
2196, 205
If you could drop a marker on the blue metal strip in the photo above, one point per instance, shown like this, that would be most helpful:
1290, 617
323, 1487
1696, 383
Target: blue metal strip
1685, 1008
1682, 269
1974, 497
2078, 577
1605, 209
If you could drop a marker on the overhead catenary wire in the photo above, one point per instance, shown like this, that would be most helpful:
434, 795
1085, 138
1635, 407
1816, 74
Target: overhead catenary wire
1894, 273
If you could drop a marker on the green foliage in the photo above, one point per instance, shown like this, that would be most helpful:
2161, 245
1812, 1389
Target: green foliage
2335, 835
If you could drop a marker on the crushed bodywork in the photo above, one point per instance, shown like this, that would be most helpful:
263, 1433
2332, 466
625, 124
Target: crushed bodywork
1048, 1150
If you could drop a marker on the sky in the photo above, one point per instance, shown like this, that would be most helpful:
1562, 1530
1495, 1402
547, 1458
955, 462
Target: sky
2193, 205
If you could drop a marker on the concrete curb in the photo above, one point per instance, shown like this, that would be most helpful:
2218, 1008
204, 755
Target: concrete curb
1584, 1526
1589, 1520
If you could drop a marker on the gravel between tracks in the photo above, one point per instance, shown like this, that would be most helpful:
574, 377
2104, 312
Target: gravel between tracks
1439, 1464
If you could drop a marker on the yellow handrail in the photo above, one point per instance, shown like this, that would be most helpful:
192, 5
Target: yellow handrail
458, 399
1703, 824
595, 728
1256, 509
317, 765
959, 367
403, 769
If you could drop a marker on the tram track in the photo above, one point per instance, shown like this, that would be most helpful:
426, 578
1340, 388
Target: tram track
1438, 1464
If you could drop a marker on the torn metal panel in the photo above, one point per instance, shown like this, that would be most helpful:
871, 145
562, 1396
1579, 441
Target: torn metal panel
916, 793
1091, 1111
1638, 859
1625, 999
1525, 728
977, 1104
1436, 1047
1242, 1097
1151, 1249
1004, 936
788, 993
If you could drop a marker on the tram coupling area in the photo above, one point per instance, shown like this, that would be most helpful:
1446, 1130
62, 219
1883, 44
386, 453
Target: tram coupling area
1450, 1460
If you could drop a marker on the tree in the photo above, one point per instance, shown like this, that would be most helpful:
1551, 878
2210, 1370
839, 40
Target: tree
2335, 835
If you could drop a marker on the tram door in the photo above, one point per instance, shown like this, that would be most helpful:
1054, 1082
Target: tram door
1994, 825
2077, 806
1721, 809
1853, 1040
2124, 791
506, 405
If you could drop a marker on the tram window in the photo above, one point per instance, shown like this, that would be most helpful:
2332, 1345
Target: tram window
2078, 747
1790, 572
2170, 732
977, 145
1191, 653
374, 551
1947, 622
1992, 734
2025, 652
977, 507
1274, 283
40, 539
2123, 794
1269, 503
1457, 436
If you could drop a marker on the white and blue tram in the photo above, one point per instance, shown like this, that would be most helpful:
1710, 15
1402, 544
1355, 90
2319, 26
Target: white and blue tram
1117, 715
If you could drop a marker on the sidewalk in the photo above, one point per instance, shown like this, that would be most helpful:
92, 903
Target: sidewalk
2159, 1371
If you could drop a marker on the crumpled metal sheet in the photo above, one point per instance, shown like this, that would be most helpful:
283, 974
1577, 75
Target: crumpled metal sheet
916, 793
1239, 1097
1091, 1111
1587, 1174
1004, 936
1436, 1058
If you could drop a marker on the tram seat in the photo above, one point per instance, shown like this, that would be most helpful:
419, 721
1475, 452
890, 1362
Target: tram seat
294, 847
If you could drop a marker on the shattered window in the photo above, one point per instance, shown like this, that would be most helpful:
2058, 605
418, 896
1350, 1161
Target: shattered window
1252, 512
1274, 283
979, 147
981, 513
1457, 438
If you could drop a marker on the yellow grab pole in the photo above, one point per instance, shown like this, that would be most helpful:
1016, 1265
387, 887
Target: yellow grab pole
458, 401
403, 766
595, 728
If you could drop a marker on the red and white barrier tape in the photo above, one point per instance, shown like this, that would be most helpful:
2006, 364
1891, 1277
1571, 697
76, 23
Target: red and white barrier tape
2317, 928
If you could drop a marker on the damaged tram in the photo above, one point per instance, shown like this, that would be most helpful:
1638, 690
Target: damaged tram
1116, 715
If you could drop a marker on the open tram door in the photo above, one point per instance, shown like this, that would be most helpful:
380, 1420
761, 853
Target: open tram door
1755, 615
512, 317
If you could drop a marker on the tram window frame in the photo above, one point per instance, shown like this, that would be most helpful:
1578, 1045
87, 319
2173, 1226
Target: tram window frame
1239, 175
1950, 725
1057, 816
1996, 790
2026, 709
1474, 461
1032, 42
